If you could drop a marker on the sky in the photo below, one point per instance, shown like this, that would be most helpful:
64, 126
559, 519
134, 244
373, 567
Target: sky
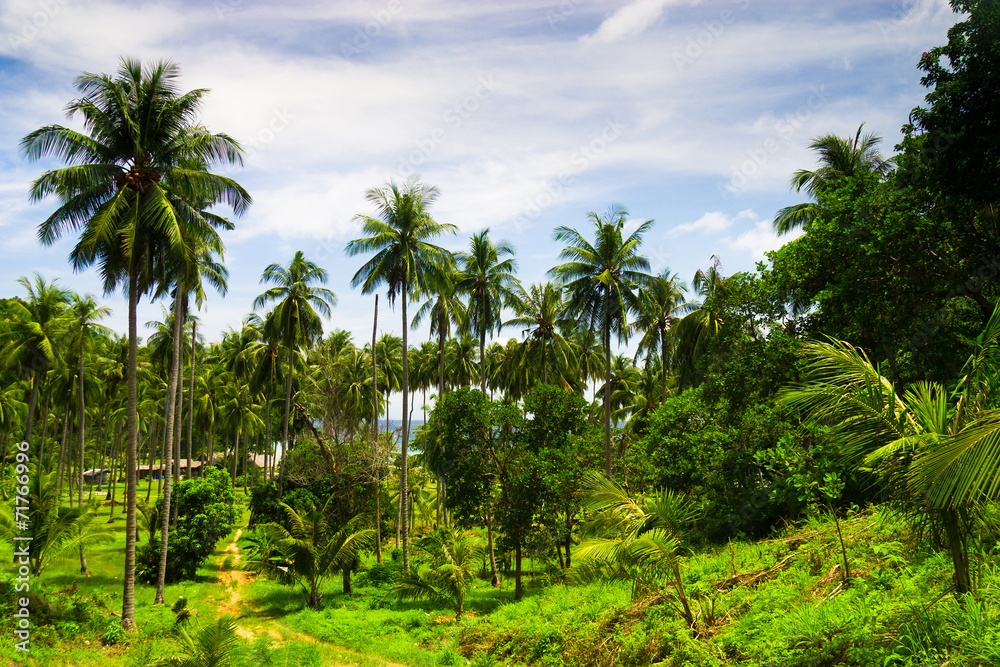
526, 115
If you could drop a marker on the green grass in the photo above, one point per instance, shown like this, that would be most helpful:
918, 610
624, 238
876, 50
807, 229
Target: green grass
780, 602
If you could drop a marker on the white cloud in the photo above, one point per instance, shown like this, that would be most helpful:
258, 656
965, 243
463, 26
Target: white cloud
627, 21
759, 239
711, 222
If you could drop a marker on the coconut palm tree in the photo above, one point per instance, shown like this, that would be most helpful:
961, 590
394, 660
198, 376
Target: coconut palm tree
487, 276
541, 313
127, 190
85, 313
840, 158
453, 558
294, 319
444, 307
935, 448
405, 260
602, 281
660, 306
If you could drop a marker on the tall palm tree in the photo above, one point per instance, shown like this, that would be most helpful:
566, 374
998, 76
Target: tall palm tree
34, 330
126, 189
294, 318
840, 158
660, 305
487, 276
404, 261
541, 313
602, 281
85, 312
444, 307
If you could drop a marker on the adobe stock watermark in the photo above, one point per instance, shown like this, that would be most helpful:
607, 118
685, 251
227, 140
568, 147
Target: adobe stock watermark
784, 129
696, 45
453, 118
363, 35
22, 550
580, 161
900, 13
34, 23
556, 16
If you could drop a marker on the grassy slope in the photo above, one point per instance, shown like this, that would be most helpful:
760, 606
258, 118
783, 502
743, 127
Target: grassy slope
776, 602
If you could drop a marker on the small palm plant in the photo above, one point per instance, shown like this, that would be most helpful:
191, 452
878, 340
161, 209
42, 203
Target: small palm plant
636, 539
452, 558
214, 646
309, 549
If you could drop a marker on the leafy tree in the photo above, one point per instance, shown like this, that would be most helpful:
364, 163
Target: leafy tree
205, 515
405, 261
452, 558
601, 281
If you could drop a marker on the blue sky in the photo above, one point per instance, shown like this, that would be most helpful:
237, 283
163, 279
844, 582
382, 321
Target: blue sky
526, 115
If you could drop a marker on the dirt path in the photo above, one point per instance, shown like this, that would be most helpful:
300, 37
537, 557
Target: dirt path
234, 579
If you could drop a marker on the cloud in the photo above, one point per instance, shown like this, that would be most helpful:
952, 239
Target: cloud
627, 21
759, 239
713, 221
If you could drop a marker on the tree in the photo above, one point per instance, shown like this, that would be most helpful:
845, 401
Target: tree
660, 304
85, 313
215, 645
934, 448
447, 580
602, 280
839, 159
488, 278
310, 549
405, 261
125, 190
541, 312
294, 319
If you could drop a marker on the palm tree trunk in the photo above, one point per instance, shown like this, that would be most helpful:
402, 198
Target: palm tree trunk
176, 439
378, 481
115, 467
32, 403
663, 359
494, 575
190, 425
83, 420
518, 590
62, 452
403, 472
174, 379
149, 459
132, 429
288, 405
607, 400
482, 359
956, 549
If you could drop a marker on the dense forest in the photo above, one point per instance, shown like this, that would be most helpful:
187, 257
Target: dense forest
846, 383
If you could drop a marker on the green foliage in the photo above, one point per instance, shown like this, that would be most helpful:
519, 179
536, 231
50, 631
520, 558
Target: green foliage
214, 645
205, 515
452, 558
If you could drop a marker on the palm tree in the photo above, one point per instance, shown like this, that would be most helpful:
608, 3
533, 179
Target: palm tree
404, 261
489, 281
444, 307
840, 159
215, 645
310, 549
601, 281
935, 448
85, 313
453, 558
541, 312
659, 306
695, 330
294, 319
33, 331
126, 188
636, 539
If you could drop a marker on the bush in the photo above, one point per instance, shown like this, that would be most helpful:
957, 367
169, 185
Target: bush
205, 515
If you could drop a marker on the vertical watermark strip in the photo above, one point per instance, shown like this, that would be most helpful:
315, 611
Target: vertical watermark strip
22, 549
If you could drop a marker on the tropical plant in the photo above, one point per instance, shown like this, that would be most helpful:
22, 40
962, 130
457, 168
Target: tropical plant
128, 189
541, 313
452, 558
487, 276
637, 539
310, 549
405, 261
660, 306
214, 646
602, 281
934, 448
840, 158
294, 319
